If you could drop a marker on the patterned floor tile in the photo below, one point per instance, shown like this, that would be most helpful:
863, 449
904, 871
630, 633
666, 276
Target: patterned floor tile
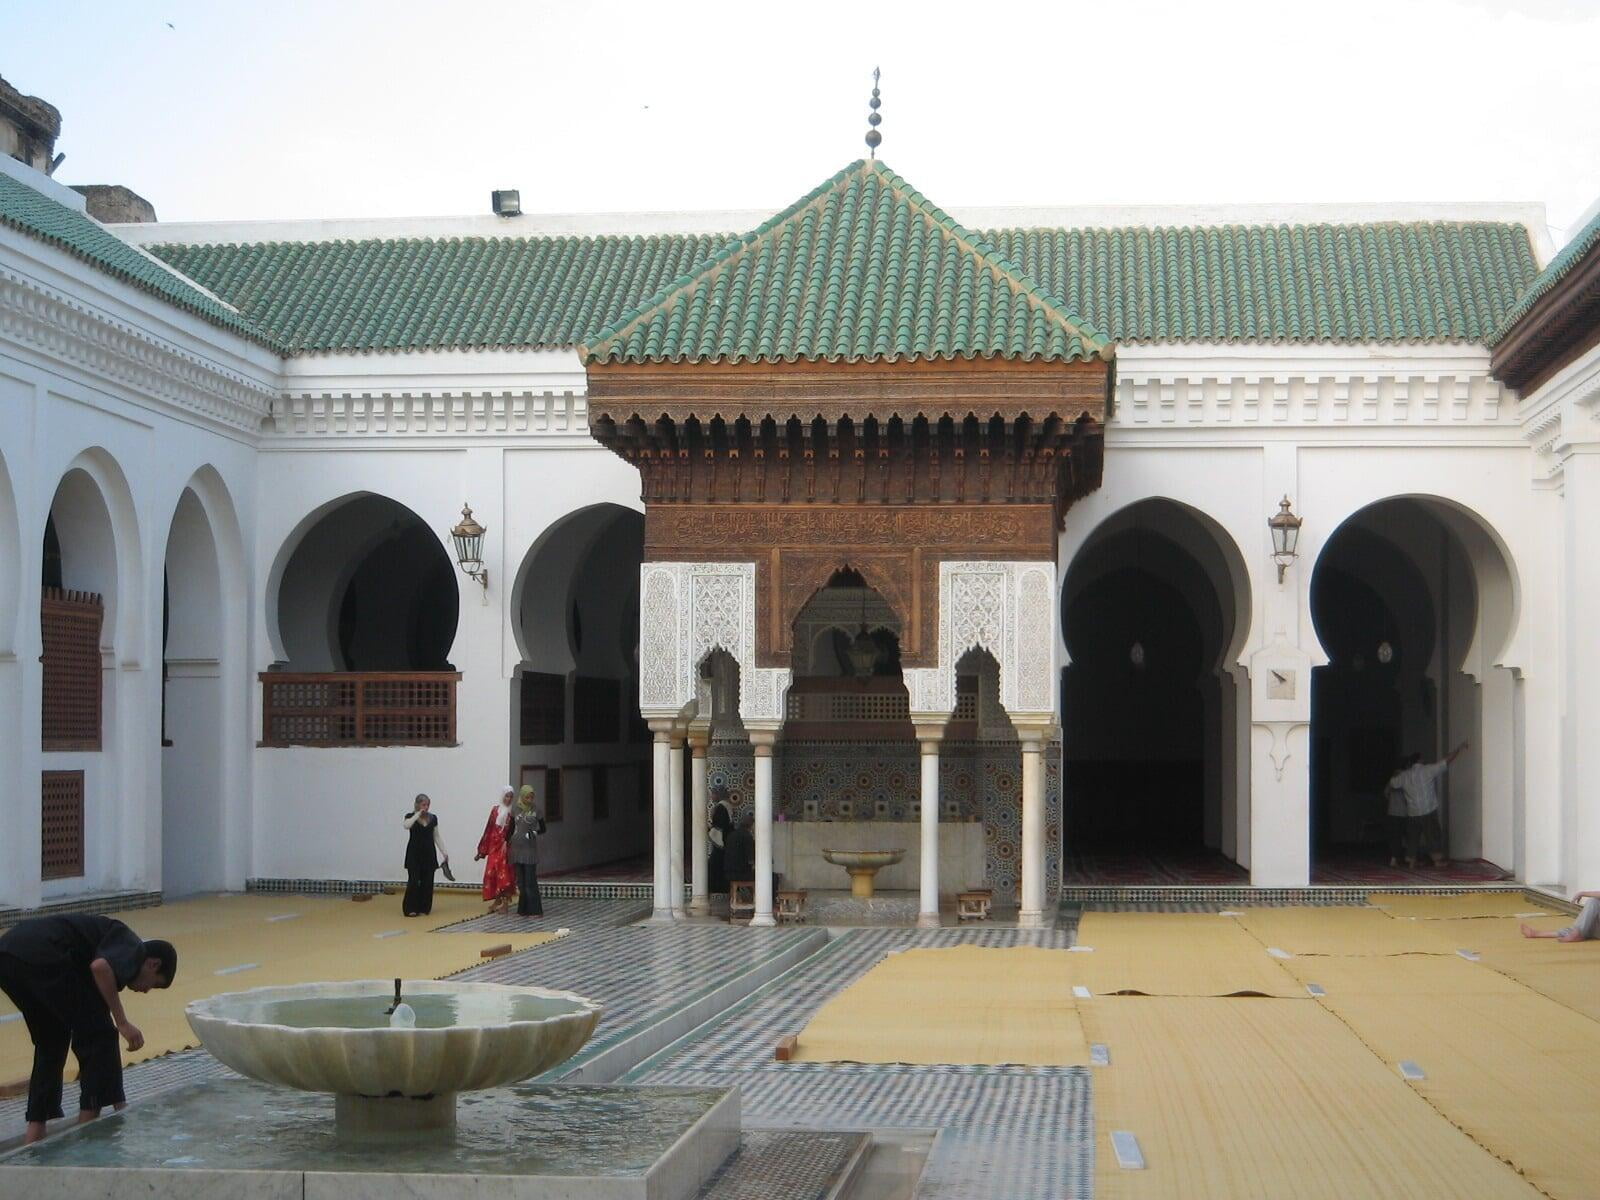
784, 1166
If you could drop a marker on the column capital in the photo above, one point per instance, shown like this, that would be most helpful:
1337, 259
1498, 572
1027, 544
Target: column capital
662, 727
929, 736
699, 742
1036, 735
762, 738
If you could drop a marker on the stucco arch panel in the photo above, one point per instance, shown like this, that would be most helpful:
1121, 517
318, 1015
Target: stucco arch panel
93, 501
547, 573
10, 564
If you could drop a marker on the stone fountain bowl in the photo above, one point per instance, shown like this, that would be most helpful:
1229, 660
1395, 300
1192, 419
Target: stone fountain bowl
336, 1037
863, 858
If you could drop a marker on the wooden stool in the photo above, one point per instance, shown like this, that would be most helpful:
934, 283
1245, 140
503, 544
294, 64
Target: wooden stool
974, 906
790, 906
741, 898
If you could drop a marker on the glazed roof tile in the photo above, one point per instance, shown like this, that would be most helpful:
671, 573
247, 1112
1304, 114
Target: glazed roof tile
1393, 282
1569, 256
38, 215
863, 269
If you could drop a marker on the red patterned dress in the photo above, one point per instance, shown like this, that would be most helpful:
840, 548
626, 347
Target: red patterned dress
498, 880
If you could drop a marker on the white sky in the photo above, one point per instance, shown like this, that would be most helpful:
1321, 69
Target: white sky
352, 108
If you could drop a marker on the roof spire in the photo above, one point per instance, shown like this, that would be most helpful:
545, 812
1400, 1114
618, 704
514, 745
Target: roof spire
874, 138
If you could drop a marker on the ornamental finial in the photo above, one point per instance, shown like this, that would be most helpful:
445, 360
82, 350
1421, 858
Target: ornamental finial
874, 138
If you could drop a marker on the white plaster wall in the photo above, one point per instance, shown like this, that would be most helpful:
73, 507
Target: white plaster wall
80, 405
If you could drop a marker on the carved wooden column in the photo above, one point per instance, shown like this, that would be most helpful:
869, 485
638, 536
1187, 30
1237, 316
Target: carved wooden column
699, 841
661, 844
928, 737
675, 817
761, 740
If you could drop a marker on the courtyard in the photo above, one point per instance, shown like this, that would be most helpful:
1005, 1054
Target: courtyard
1412, 1046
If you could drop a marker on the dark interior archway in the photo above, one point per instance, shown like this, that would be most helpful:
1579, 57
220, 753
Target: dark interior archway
1394, 602
1146, 786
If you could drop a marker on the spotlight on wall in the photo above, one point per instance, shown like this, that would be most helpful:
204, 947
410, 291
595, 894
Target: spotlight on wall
507, 203
1285, 528
468, 536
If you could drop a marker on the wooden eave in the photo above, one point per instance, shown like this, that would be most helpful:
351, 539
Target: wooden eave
958, 388
1563, 324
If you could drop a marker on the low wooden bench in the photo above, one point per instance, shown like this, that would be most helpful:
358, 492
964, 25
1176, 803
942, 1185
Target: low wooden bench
974, 906
790, 906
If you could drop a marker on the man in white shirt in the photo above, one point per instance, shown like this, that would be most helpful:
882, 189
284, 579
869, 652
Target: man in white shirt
1420, 783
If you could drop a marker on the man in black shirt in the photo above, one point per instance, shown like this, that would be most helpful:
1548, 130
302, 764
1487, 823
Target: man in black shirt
63, 974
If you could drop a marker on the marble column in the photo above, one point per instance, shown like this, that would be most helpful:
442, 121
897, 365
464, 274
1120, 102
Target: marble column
700, 843
928, 737
761, 740
1030, 913
661, 844
675, 817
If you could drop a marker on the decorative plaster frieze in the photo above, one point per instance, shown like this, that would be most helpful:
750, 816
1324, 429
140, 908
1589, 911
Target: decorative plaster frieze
686, 611
431, 414
56, 324
1355, 399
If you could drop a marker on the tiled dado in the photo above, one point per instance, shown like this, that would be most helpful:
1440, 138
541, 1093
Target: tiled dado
569, 889
1316, 894
839, 781
112, 902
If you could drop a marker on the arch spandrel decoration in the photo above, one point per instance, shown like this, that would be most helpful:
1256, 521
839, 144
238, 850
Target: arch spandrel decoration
688, 610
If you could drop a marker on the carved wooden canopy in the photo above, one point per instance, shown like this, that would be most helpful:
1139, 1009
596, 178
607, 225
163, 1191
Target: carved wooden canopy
885, 468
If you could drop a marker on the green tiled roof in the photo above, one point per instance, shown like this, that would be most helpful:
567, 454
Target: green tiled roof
861, 269
36, 214
1569, 257
1389, 282
424, 294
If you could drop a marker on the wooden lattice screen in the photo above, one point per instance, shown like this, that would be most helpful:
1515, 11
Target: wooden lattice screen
378, 708
544, 709
61, 825
69, 625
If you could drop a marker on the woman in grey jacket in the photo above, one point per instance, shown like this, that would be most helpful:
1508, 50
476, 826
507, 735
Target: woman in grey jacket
523, 848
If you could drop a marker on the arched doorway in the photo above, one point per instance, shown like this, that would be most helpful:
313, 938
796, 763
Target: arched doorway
1154, 613
367, 587
1411, 602
80, 595
193, 799
577, 737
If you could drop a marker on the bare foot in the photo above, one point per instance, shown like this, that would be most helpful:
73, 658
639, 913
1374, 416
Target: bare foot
34, 1134
1529, 930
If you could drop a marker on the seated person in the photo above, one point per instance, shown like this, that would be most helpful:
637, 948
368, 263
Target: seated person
739, 854
1585, 928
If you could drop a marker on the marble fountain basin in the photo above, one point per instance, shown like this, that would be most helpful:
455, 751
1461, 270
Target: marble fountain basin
863, 866
339, 1038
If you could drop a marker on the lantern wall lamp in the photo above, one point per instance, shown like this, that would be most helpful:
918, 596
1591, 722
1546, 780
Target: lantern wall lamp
1285, 528
468, 537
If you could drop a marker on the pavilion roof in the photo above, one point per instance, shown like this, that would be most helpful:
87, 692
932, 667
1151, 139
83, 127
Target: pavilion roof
862, 269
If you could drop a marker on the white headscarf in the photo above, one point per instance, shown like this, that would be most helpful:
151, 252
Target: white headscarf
502, 814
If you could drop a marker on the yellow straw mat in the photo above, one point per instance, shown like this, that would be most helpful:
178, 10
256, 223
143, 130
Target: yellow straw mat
1334, 930
1259, 1099
1176, 954
1566, 972
1472, 904
1520, 1074
324, 939
1441, 976
962, 1005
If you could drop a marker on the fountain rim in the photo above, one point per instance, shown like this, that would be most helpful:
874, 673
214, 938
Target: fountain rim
203, 1008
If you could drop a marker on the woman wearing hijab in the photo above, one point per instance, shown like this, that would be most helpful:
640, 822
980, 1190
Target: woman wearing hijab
497, 881
425, 854
526, 826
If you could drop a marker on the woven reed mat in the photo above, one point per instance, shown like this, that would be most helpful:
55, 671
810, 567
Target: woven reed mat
1176, 954
1472, 904
1566, 972
1317, 930
961, 1005
1262, 1099
1520, 1074
325, 939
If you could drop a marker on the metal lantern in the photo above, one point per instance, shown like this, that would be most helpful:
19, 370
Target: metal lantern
468, 536
863, 653
1285, 528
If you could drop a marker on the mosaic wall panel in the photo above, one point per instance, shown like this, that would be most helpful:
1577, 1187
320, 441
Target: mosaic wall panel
883, 782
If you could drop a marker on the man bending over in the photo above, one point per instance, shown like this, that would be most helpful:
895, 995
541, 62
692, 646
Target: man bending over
63, 974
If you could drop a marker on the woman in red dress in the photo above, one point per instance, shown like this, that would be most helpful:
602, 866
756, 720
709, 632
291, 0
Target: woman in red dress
498, 881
